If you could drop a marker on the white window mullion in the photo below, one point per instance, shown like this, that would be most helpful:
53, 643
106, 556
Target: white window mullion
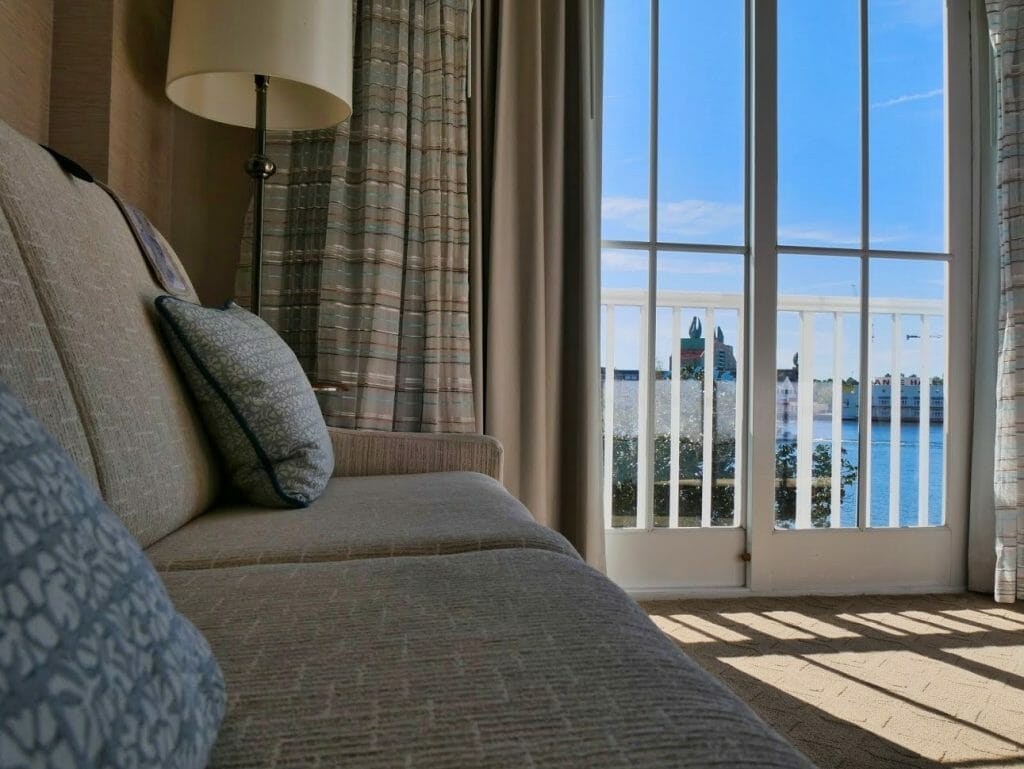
645, 487
762, 315
739, 468
865, 422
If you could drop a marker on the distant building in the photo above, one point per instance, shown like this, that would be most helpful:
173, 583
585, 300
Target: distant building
910, 400
692, 349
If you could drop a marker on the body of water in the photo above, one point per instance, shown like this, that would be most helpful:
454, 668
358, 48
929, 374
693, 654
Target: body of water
913, 439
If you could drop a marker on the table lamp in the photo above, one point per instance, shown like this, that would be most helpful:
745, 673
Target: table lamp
263, 64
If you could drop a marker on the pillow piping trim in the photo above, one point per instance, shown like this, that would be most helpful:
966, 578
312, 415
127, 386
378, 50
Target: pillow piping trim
228, 401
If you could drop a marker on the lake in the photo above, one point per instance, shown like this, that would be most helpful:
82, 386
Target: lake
910, 446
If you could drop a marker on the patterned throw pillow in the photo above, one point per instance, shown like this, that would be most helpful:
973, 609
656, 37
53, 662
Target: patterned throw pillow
258, 404
97, 669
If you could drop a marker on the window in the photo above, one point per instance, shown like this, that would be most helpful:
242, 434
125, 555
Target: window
860, 248
673, 397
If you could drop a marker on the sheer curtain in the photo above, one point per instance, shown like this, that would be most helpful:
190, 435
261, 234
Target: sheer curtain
1006, 27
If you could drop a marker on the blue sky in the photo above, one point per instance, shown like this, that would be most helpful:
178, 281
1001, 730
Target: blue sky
701, 162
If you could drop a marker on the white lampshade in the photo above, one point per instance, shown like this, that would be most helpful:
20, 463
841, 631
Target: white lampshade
303, 46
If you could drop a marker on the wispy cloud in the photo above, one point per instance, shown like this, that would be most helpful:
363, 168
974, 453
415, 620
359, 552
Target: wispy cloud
906, 98
923, 13
817, 235
831, 238
682, 220
636, 261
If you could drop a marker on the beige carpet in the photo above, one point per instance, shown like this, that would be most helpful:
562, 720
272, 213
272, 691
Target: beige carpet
870, 681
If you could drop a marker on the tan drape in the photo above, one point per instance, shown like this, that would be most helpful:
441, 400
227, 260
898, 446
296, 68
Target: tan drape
534, 275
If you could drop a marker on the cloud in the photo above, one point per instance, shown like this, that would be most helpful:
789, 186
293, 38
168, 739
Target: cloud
697, 221
922, 13
680, 220
833, 238
636, 261
830, 238
908, 98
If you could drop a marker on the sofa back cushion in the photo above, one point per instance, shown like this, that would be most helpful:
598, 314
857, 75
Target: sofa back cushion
29, 363
94, 293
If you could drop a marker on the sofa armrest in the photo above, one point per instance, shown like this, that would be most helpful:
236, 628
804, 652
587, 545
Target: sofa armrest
372, 452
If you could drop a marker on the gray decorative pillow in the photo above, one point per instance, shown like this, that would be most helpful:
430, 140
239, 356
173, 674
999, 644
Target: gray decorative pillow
256, 400
97, 669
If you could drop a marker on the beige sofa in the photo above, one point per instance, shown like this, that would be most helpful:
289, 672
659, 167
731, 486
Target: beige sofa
414, 616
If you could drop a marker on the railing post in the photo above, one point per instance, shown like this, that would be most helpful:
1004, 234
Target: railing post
609, 411
675, 419
895, 420
836, 499
708, 420
924, 424
805, 422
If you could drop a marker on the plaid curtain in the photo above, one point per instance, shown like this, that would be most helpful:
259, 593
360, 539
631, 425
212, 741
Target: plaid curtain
1006, 26
366, 251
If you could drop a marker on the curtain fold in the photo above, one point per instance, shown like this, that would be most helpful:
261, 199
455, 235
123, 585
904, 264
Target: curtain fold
1006, 28
366, 250
981, 557
535, 264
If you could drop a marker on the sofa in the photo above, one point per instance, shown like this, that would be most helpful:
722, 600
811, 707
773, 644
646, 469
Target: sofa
415, 615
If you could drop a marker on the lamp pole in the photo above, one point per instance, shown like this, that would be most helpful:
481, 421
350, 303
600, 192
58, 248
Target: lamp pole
260, 168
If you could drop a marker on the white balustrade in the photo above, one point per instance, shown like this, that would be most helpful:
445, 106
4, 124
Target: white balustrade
808, 308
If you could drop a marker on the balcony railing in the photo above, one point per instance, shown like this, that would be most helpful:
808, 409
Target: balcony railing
807, 308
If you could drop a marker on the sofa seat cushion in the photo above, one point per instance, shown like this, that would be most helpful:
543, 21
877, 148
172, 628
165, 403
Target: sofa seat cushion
363, 517
498, 658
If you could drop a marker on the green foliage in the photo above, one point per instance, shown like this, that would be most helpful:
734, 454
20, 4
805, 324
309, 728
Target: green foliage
691, 468
821, 489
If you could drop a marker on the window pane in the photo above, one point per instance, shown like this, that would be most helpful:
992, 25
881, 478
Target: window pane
626, 122
623, 290
701, 122
907, 367
699, 302
818, 356
819, 122
906, 53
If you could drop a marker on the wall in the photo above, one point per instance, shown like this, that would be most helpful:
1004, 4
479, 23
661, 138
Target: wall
211, 195
26, 32
87, 77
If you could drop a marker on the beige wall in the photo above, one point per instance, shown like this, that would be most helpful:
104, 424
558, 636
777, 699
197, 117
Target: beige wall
26, 31
87, 77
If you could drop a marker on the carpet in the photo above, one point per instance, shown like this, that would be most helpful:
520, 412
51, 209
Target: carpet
869, 681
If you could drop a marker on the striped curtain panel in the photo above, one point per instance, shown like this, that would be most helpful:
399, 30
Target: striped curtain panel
366, 250
1006, 26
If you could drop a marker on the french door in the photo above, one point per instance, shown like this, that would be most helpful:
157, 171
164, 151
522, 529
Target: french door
785, 294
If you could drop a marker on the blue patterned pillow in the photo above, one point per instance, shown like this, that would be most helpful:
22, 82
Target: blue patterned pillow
257, 401
97, 669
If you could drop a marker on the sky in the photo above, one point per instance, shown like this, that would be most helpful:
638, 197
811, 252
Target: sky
701, 162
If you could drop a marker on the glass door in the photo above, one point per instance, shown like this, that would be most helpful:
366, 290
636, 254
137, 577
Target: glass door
673, 314
785, 282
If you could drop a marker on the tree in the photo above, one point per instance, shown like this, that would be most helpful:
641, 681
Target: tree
821, 489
